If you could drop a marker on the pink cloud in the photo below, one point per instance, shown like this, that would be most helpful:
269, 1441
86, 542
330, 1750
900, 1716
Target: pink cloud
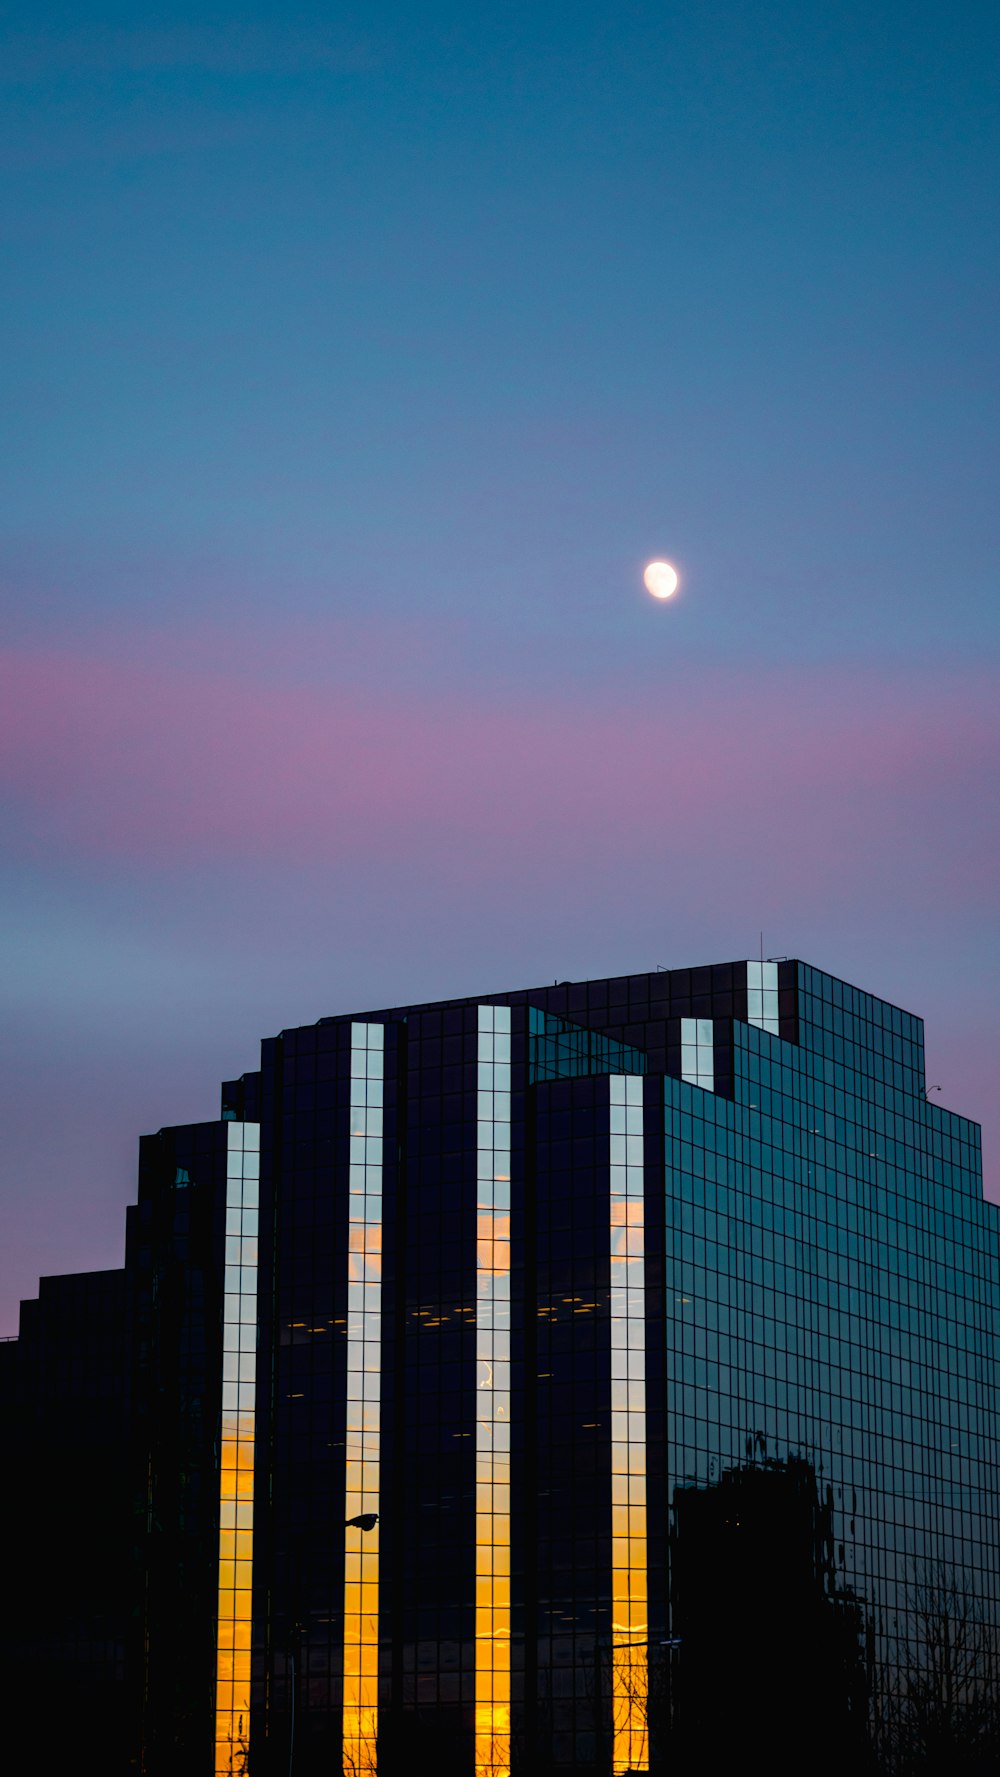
843, 782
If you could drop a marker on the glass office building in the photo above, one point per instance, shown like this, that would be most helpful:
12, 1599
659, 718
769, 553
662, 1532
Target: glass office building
596, 1378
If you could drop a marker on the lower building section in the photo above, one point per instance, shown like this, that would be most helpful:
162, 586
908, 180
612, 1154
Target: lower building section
591, 1379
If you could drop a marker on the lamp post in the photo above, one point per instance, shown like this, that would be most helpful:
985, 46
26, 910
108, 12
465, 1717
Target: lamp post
364, 1521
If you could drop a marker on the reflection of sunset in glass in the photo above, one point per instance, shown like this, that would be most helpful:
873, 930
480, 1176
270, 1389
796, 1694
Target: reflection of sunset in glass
236, 1446
630, 1612
492, 1731
364, 1378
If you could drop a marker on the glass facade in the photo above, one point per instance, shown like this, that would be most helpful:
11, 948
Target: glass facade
653, 1318
698, 1053
493, 1397
629, 1576
762, 996
176, 1287
831, 1296
362, 1443
236, 1451
559, 1050
68, 1515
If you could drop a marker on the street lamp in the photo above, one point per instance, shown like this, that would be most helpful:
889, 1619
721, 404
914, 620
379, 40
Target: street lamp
363, 1521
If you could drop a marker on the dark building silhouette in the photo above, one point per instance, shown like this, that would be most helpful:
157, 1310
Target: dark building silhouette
70, 1530
654, 1316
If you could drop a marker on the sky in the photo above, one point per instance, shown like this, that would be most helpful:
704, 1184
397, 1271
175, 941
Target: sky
353, 363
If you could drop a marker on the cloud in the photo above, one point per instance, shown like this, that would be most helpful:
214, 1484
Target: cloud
819, 783
212, 838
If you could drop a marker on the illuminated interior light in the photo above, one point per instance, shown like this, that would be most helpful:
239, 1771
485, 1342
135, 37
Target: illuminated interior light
492, 1706
236, 1461
363, 1451
629, 1577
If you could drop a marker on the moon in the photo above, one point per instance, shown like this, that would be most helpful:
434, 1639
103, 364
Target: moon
661, 579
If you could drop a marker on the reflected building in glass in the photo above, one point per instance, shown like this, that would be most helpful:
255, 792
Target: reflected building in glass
654, 1317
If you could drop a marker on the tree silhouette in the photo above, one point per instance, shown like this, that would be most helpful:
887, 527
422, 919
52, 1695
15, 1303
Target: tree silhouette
938, 1698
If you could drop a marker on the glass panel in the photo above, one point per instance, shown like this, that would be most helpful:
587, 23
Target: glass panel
630, 1616
364, 1364
559, 1050
232, 1664
698, 1053
492, 1715
762, 996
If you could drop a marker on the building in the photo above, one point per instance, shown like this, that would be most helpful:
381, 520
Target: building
653, 1316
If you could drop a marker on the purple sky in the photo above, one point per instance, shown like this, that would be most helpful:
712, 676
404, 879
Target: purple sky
349, 378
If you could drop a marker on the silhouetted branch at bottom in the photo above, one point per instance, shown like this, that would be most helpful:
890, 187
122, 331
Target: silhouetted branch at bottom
936, 1702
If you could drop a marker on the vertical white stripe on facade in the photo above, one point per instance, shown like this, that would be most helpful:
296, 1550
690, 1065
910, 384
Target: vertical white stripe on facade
492, 1708
762, 996
236, 1450
629, 1571
364, 1381
698, 1053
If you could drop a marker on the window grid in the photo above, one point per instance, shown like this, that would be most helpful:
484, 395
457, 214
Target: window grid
492, 1730
629, 1580
364, 1367
236, 1445
762, 996
698, 1053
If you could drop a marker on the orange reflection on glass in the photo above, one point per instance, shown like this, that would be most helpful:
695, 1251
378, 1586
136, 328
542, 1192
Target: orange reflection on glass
236, 1454
492, 1713
364, 1245
493, 1240
364, 1364
630, 1604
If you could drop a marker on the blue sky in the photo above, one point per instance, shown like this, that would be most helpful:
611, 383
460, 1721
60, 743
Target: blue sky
352, 366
